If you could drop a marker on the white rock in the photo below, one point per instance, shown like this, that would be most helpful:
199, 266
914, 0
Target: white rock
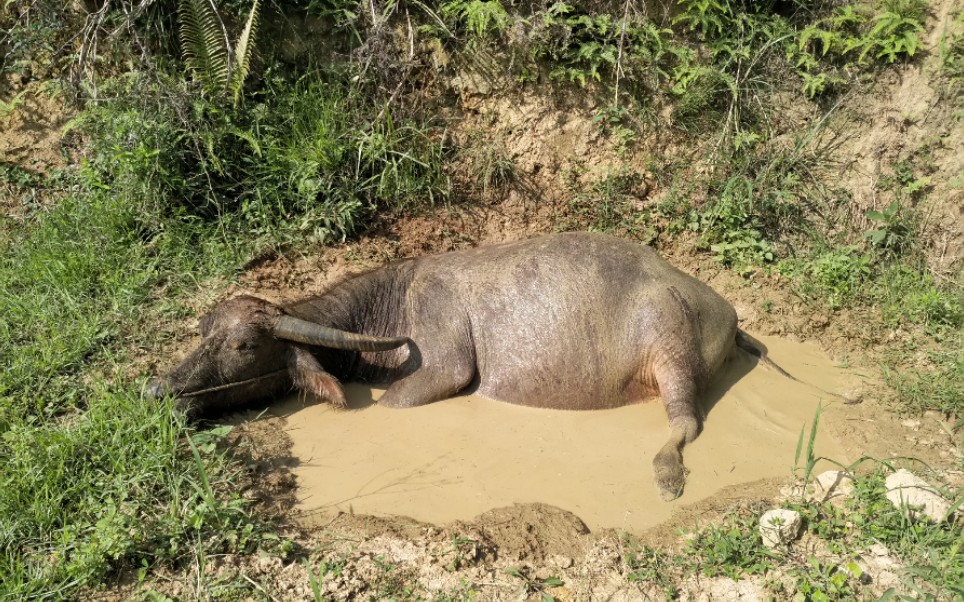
904, 488
779, 527
832, 484
881, 566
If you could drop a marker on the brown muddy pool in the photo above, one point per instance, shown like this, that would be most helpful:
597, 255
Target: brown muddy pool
455, 459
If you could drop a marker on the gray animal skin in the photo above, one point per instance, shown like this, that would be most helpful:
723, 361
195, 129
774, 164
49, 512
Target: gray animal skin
573, 321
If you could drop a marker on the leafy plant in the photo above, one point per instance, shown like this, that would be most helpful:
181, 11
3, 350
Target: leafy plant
709, 18
491, 163
651, 566
732, 228
482, 18
895, 30
583, 47
611, 204
893, 232
703, 92
939, 388
617, 123
831, 51
535, 585
208, 51
302, 161
840, 275
951, 48
732, 549
9, 106
819, 581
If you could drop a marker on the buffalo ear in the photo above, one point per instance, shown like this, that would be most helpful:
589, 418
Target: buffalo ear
310, 377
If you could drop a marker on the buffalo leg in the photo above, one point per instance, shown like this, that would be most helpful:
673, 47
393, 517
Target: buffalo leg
441, 361
431, 382
678, 389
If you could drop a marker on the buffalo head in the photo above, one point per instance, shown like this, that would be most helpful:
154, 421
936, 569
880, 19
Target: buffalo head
251, 349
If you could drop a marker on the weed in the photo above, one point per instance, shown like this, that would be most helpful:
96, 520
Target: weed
615, 121
892, 235
394, 582
653, 567
33, 38
9, 106
481, 18
116, 486
838, 276
906, 292
326, 569
464, 552
533, 585
810, 459
611, 204
703, 92
491, 163
732, 225
583, 47
951, 49
732, 549
821, 581
895, 30
299, 162
939, 388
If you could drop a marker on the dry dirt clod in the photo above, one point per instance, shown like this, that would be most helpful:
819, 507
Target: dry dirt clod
779, 527
905, 489
880, 567
724, 588
832, 485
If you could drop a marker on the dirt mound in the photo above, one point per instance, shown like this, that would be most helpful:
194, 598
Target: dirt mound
531, 532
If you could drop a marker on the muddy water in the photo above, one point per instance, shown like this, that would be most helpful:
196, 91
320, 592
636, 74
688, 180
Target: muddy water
460, 457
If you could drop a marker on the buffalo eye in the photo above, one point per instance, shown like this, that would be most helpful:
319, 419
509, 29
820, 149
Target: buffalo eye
242, 345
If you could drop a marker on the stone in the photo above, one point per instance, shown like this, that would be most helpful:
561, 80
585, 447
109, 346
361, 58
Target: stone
832, 484
905, 489
779, 527
880, 566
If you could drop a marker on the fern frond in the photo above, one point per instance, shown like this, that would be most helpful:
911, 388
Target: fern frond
204, 42
242, 52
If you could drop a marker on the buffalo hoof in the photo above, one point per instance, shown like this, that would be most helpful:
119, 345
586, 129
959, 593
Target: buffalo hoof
670, 474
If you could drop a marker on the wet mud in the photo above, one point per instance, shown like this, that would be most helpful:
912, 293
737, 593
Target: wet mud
458, 458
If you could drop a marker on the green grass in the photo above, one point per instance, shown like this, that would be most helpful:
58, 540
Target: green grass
933, 567
174, 190
308, 158
113, 488
71, 283
93, 477
940, 388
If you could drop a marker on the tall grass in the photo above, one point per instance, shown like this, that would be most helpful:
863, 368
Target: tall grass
306, 157
114, 488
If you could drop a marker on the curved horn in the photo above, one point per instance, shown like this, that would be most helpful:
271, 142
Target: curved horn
303, 331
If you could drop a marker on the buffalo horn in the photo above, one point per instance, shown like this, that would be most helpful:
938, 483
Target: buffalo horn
309, 333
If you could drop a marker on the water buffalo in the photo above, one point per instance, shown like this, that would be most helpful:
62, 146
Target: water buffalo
573, 321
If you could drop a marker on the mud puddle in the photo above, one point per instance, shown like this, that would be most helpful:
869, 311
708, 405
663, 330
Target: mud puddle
455, 459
